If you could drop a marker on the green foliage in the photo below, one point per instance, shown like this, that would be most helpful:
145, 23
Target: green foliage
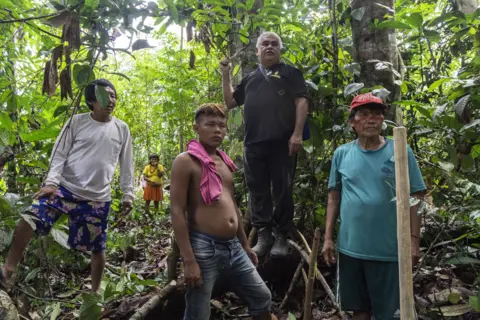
159, 87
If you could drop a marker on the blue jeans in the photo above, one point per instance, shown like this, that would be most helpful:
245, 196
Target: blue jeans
226, 262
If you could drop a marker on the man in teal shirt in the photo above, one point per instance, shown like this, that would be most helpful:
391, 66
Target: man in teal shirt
362, 190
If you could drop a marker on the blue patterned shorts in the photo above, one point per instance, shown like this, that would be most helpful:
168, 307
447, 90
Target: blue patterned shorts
87, 220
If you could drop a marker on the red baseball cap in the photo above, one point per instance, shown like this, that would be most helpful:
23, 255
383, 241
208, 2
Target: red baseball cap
366, 98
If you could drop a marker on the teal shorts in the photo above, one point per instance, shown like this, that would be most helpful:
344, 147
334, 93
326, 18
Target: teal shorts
369, 286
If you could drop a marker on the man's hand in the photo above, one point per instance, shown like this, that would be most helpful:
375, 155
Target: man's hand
294, 144
126, 208
225, 66
415, 248
47, 191
252, 255
192, 274
328, 252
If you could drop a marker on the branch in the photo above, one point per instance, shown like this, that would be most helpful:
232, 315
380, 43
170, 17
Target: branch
45, 299
28, 19
296, 275
319, 276
154, 301
43, 30
428, 252
307, 309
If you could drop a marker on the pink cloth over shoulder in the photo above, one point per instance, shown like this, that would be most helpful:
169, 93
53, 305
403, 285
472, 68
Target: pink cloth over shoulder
211, 182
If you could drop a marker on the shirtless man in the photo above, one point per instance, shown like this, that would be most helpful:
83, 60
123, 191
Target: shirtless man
210, 236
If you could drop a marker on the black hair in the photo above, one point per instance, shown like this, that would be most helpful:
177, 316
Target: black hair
90, 90
153, 156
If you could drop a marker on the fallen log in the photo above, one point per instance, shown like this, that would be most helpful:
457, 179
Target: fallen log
154, 301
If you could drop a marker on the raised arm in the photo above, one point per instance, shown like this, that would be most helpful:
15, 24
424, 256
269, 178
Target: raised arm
179, 183
227, 84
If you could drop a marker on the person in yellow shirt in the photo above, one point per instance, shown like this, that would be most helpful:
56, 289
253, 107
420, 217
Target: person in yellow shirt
152, 174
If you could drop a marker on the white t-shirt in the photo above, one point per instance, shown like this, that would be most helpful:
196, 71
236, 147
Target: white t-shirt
86, 154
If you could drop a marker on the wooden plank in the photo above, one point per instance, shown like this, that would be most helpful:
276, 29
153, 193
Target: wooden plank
407, 305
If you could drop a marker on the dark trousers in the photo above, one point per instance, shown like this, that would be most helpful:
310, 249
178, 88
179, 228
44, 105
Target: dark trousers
269, 174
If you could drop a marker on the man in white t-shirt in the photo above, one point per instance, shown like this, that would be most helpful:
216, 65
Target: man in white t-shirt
82, 166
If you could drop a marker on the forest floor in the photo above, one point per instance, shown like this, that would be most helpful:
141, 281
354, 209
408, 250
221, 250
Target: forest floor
137, 270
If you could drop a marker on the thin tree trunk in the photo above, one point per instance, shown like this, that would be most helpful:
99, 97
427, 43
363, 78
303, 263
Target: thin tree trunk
373, 46
467, 6
11, 172
250, 60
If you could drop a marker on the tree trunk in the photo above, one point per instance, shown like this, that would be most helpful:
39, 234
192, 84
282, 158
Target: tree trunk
11, 172
372, 46
467, 6
250, 60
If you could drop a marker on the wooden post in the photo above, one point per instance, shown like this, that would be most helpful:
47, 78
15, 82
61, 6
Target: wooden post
403, 224
307, 310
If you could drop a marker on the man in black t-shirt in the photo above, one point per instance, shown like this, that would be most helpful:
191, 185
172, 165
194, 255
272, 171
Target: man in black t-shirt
275, 108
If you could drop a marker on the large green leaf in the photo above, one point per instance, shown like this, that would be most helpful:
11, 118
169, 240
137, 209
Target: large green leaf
471, 125
102, 96
351, 88
91, 307
61, 237
438, 83
5, 121
475, 302
414, 19
475, 151
109, 292
432, 34
60, 110
56, 311
82, 74
173, 9
41, 134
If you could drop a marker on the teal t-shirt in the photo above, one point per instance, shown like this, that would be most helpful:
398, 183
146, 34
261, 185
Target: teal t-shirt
368, 213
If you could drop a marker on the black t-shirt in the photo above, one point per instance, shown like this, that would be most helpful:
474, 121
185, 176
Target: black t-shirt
269, 101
